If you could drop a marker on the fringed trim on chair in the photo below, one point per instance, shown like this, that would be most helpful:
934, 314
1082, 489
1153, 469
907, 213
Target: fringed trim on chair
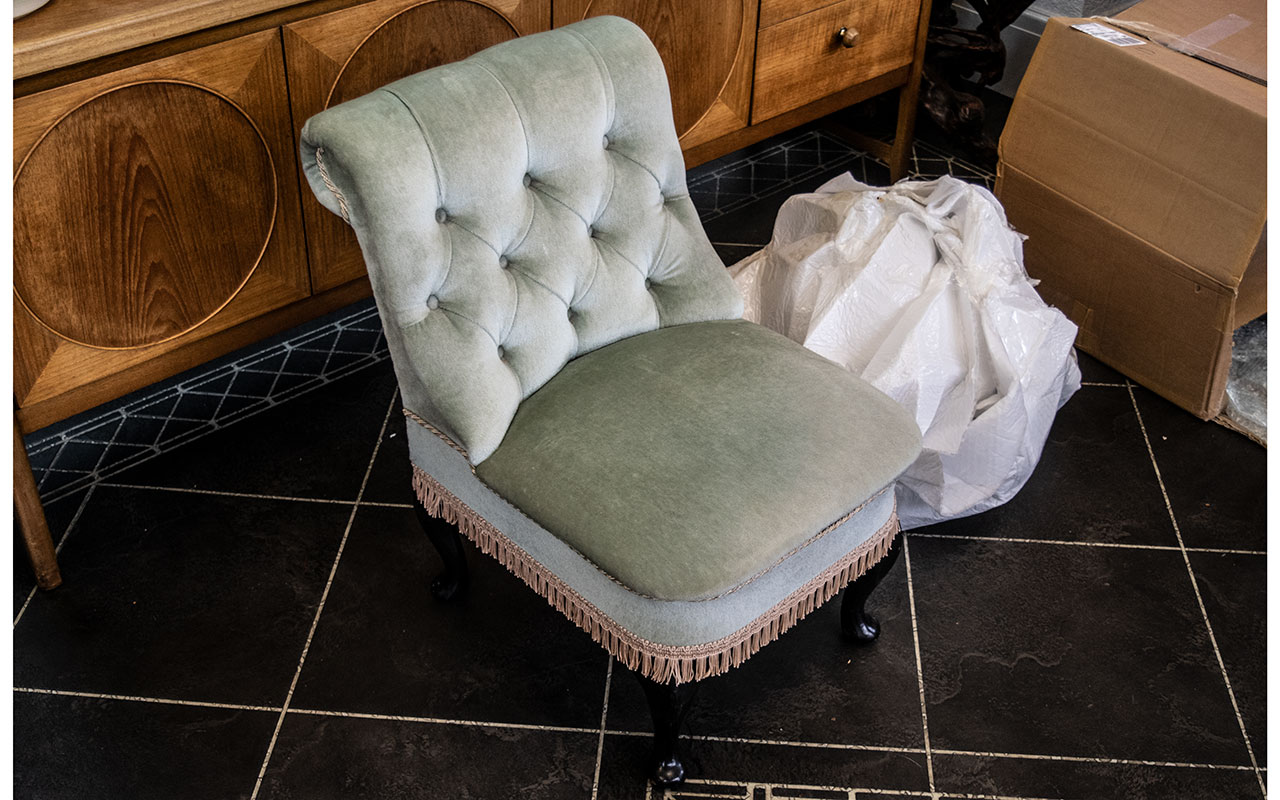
659, 662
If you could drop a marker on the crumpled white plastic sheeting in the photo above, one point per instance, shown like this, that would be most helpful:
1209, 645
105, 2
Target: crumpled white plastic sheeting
1246, 406
919, 289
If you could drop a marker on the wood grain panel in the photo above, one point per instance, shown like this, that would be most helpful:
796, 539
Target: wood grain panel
67, 31
774, 11
344, 54
707, 49
802, 60
126, 235
416, 39
247, 72
186, 354
894, 79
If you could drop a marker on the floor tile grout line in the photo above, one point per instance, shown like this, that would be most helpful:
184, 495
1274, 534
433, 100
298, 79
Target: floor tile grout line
1136, 762
604, 719
1064, 542
466, 723
252, 495
915, 534
114, 435
781, 186
939, 153
84, 501
782, 148
306, 711
315, 622
166, 701
210, 426
223, 493
638, 734
915, 639
703, 737
851, 793
1195, 587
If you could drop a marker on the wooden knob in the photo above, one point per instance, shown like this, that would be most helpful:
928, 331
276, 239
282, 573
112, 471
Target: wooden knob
848, 36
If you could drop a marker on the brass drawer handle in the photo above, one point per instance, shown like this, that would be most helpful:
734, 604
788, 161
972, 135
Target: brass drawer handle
847, 37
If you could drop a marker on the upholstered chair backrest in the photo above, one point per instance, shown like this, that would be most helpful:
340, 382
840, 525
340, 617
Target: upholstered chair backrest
515, 210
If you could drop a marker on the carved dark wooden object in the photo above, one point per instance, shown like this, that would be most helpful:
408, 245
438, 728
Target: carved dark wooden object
452, 582
669, 703
952, 55
856, 624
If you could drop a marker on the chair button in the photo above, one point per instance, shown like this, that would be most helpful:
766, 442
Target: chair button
433, 302
573, 315
502, 352
606, 143
503, 262
648, 284
528, 180
591, 231
441, 215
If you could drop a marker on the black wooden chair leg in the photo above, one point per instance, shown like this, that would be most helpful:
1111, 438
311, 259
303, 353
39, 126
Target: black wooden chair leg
668, 704
856, 624
452, 582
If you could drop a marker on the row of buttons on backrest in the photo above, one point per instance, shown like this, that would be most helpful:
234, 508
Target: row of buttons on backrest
442, 217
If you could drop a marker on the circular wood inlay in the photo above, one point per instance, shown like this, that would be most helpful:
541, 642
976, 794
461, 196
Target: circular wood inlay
420, 37
140, 214
698, 43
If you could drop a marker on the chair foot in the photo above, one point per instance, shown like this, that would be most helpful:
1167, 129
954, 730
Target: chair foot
856, 624
452, 582
668, 705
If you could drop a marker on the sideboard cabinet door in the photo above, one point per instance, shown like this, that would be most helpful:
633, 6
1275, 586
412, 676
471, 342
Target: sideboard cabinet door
344, 54
708, 48
152, 206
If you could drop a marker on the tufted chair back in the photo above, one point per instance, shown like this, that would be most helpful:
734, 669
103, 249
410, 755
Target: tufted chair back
496, 258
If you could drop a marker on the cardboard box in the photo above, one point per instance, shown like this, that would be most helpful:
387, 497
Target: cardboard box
1138, 172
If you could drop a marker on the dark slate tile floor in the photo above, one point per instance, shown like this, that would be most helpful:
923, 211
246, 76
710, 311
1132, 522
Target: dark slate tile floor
246, 614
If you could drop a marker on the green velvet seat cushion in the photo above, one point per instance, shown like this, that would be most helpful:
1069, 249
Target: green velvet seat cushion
686, 461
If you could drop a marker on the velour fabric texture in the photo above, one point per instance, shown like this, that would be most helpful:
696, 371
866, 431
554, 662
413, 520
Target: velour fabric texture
666, 640
685, 460
518, 209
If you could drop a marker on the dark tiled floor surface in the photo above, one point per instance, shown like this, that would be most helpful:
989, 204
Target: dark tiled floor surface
246, 612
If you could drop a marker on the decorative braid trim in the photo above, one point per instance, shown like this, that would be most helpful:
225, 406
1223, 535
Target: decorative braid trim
658, 662
439, 434
328, 184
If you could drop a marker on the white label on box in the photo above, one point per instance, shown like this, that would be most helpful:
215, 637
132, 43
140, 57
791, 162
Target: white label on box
1112, 35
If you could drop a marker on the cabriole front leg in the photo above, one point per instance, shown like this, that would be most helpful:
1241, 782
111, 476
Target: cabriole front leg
452, 582
668, 705
856, 624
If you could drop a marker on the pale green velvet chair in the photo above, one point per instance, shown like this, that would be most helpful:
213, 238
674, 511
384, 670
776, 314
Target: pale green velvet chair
584, 402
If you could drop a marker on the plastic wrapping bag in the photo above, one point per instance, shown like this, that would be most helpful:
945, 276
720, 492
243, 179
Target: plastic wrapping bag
1246, 406
919, 289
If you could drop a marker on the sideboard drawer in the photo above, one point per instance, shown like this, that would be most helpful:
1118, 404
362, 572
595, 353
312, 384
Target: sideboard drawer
774, 11
803, 59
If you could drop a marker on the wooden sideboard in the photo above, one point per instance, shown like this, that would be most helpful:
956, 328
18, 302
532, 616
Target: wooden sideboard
159, 219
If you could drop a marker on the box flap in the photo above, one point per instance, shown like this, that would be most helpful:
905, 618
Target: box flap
1166, 147
1231, 35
